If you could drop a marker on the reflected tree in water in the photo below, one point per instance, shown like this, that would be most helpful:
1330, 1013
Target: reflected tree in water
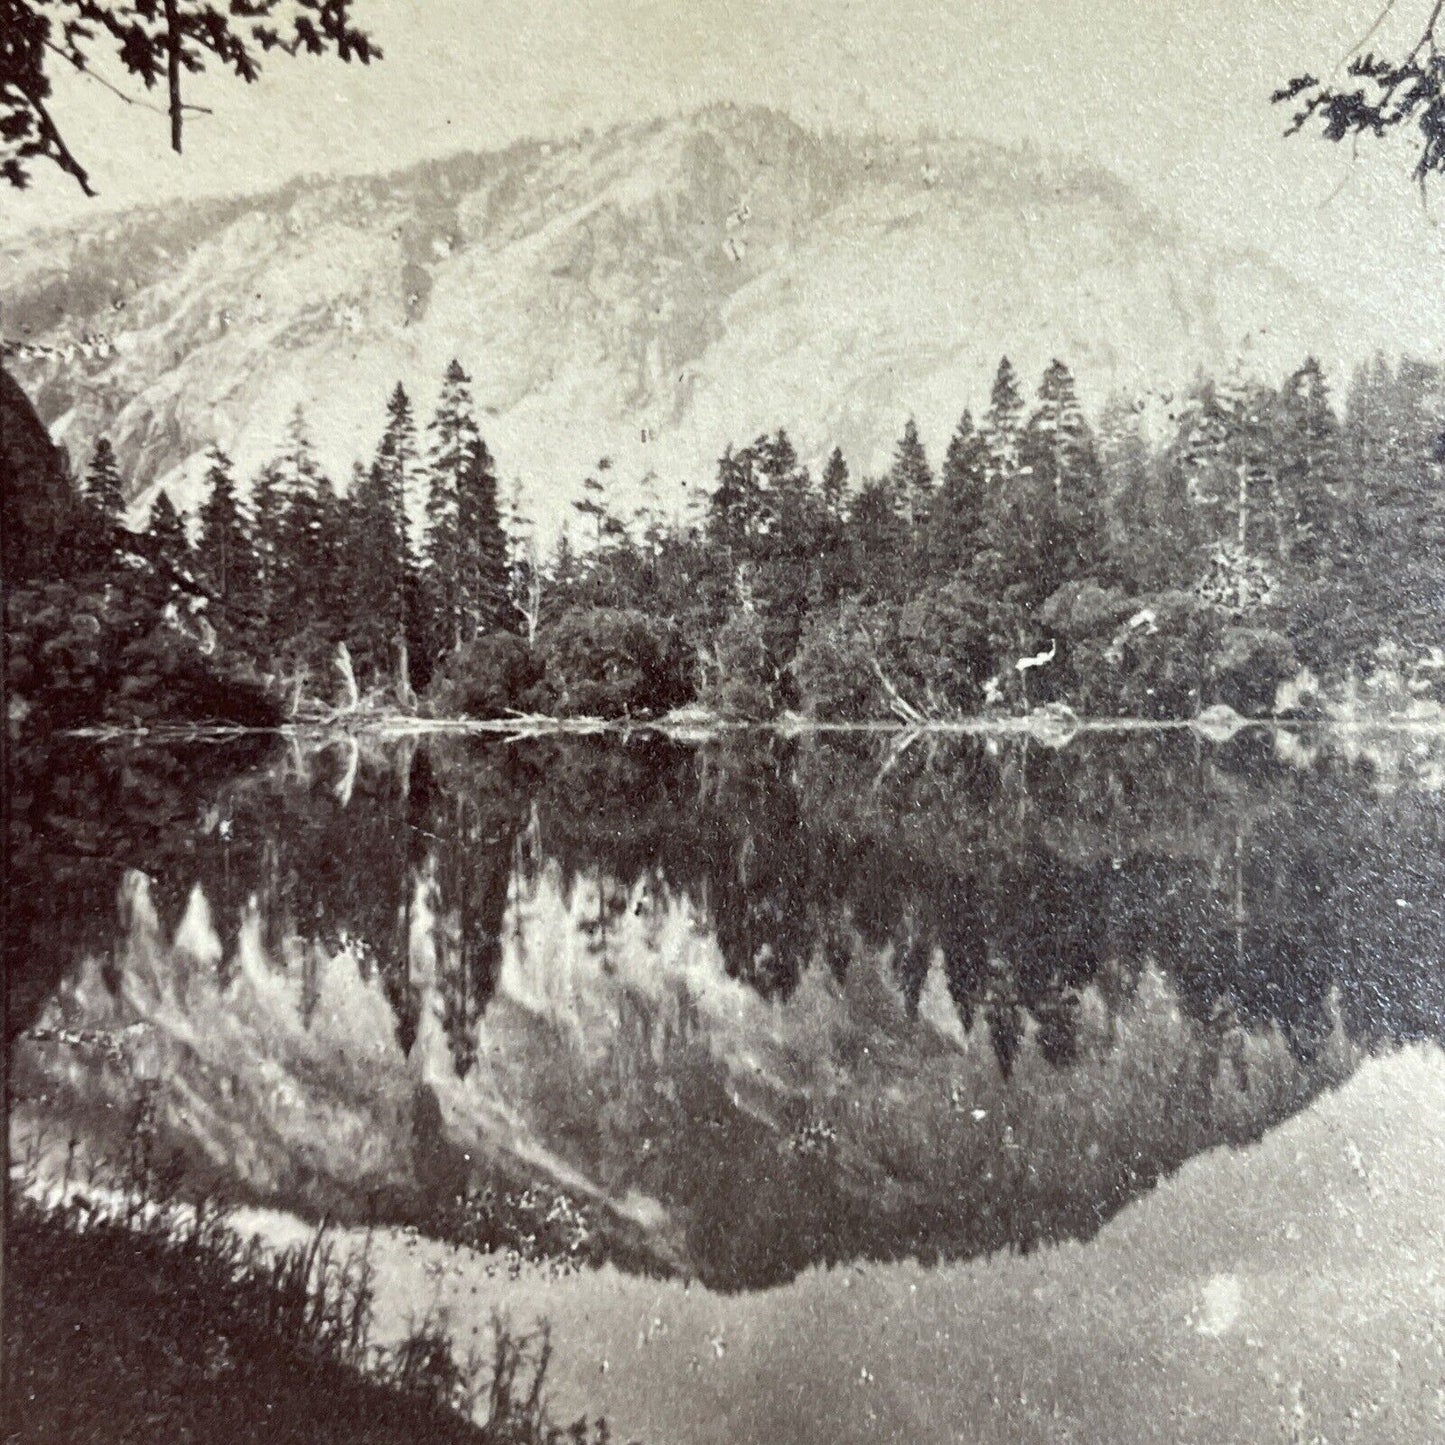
920, 905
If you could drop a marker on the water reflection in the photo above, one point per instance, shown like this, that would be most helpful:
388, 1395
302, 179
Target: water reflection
760, 1003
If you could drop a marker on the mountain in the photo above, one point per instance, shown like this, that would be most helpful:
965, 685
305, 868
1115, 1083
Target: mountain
649, 294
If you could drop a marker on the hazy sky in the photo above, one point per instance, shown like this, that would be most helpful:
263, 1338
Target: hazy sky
1171, 94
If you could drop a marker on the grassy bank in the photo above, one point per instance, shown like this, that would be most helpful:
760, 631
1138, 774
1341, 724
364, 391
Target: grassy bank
136, 1322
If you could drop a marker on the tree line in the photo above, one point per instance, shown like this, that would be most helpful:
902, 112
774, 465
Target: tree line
298, 568
1177, 552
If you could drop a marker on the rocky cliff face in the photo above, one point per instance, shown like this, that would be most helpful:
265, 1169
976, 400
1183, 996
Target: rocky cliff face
35, 494
648, 294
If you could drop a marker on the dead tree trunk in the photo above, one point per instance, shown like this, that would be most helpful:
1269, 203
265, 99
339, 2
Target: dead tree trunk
350, 693
404, 694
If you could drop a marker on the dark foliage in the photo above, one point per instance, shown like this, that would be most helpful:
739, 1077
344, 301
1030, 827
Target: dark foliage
491, 677
610, 662
743, 683
159, 43
1050, 562
1388, 95
41, 509
142, 1321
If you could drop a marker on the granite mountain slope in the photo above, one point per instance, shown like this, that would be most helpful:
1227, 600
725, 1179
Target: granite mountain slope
649, 294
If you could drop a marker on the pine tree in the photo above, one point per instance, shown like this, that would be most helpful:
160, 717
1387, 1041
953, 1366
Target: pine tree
379, 554
563, 580
957, 516
788, 567
593, 506
1396, 457
1057, 444
1012, 561
1003, 425
735, 507
834, 573
1311, 470
225, 552
467, 563
103, 488
1145, 518
911, 478
267, 507
398, 469
1059, 458
485, 590
789, 509
877, 540
166, 534
1226, 448
835, 484
451, 437
305, 618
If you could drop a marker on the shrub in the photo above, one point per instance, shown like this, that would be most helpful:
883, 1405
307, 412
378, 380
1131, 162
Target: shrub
835, 668
1159, 658
1084, 609
944, 648
87, 654
613, 662
495, 675
744, 679
1248, 668
134, 1317
935, 652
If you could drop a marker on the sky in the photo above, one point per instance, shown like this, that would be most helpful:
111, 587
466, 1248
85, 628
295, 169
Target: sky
1172, 95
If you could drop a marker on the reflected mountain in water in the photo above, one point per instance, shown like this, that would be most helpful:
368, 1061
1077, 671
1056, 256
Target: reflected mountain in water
762, 1003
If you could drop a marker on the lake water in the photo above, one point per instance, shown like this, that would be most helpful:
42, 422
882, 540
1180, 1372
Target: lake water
885, 1085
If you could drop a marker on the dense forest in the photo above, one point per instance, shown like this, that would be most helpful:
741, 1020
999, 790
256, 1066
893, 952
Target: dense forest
1178, 553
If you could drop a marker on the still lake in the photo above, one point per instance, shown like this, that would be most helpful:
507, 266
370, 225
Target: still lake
860, 1086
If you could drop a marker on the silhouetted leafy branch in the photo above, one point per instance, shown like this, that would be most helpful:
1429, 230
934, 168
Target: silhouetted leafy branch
158, 42
1394, 93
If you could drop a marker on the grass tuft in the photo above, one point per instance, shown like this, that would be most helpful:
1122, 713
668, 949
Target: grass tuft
133, 1316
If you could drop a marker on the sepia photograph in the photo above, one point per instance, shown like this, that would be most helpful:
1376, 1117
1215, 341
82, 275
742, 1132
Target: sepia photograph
724, 723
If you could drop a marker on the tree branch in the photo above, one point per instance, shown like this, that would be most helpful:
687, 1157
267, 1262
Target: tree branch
1365, 39
121, 95
1428, 38
897, 703
64, 158
173, 72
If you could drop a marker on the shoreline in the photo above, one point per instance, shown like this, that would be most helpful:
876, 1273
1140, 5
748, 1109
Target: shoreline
1046, 721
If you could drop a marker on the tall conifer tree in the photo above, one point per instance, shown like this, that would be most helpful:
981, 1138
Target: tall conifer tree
835, 484
484, 571
168, 541
911, 478
103, 488
956, 518
309, 552
267, 507
380, 555
1312, 477
452, 436
226, 553
1061, 506
1003, 424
